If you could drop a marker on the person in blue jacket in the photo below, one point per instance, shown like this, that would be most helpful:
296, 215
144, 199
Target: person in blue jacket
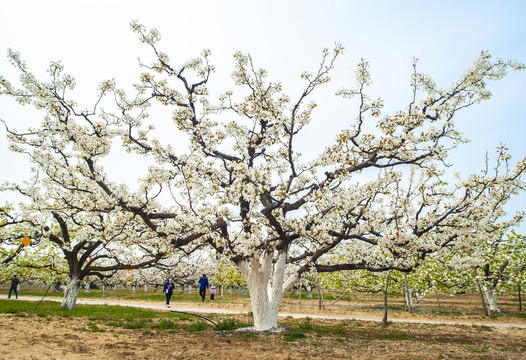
168, 290
203, 285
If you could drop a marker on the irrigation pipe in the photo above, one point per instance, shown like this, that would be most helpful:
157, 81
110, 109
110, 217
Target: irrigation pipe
43, 297
202, 317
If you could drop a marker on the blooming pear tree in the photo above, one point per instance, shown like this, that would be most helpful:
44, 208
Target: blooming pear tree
428, 216
15, 229
88, 244
425, 214
500, 265
241, 187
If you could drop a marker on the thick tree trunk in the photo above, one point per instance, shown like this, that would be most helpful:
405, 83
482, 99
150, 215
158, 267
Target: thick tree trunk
309, 291
491, 298
265, 284
71, 293
486, 311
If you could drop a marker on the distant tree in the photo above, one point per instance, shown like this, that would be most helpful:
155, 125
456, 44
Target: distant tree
71, 243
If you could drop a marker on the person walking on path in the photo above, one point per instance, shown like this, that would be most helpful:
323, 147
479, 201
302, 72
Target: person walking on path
212, 292
14, 286
203, 285
168, 290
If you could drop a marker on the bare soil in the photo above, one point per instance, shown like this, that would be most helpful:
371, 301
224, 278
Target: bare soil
410, 336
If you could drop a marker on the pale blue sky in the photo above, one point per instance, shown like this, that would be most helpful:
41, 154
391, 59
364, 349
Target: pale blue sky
93, 40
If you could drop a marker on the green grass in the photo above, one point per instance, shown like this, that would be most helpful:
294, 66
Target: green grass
166, 324
293, 335
478, 350
308, 326
389, 307
94, 327
483, 327
394, 336
197, 326
447, 312
247, 336
496, 315
232, 324
110, 315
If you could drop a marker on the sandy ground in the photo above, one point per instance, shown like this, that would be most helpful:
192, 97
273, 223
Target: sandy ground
362, 337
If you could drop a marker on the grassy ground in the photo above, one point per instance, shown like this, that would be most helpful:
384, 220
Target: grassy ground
126, 332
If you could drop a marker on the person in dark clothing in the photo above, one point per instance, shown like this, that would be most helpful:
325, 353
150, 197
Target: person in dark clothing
14, 286
203, 285
168, 290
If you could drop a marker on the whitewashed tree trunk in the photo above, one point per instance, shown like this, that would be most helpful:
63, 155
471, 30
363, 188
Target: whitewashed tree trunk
491, 298
88, 285
240, 291
145, 287
309, 292
409, 298
418, 297
71, 293
408, 295
190, 288
265, 284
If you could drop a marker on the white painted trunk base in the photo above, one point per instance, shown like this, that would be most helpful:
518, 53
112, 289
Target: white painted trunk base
71, 293
491, 298
265, 283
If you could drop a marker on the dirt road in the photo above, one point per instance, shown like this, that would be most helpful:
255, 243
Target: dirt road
215, 308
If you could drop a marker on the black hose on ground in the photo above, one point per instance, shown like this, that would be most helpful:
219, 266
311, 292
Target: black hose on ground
202, 317
43, 297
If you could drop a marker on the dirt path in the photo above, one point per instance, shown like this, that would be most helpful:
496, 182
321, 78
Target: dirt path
424, 337
213, 308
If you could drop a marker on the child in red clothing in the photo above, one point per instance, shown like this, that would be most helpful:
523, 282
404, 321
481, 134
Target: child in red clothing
212, 293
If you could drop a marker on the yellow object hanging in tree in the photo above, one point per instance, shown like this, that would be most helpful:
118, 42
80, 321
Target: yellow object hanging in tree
26, 240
